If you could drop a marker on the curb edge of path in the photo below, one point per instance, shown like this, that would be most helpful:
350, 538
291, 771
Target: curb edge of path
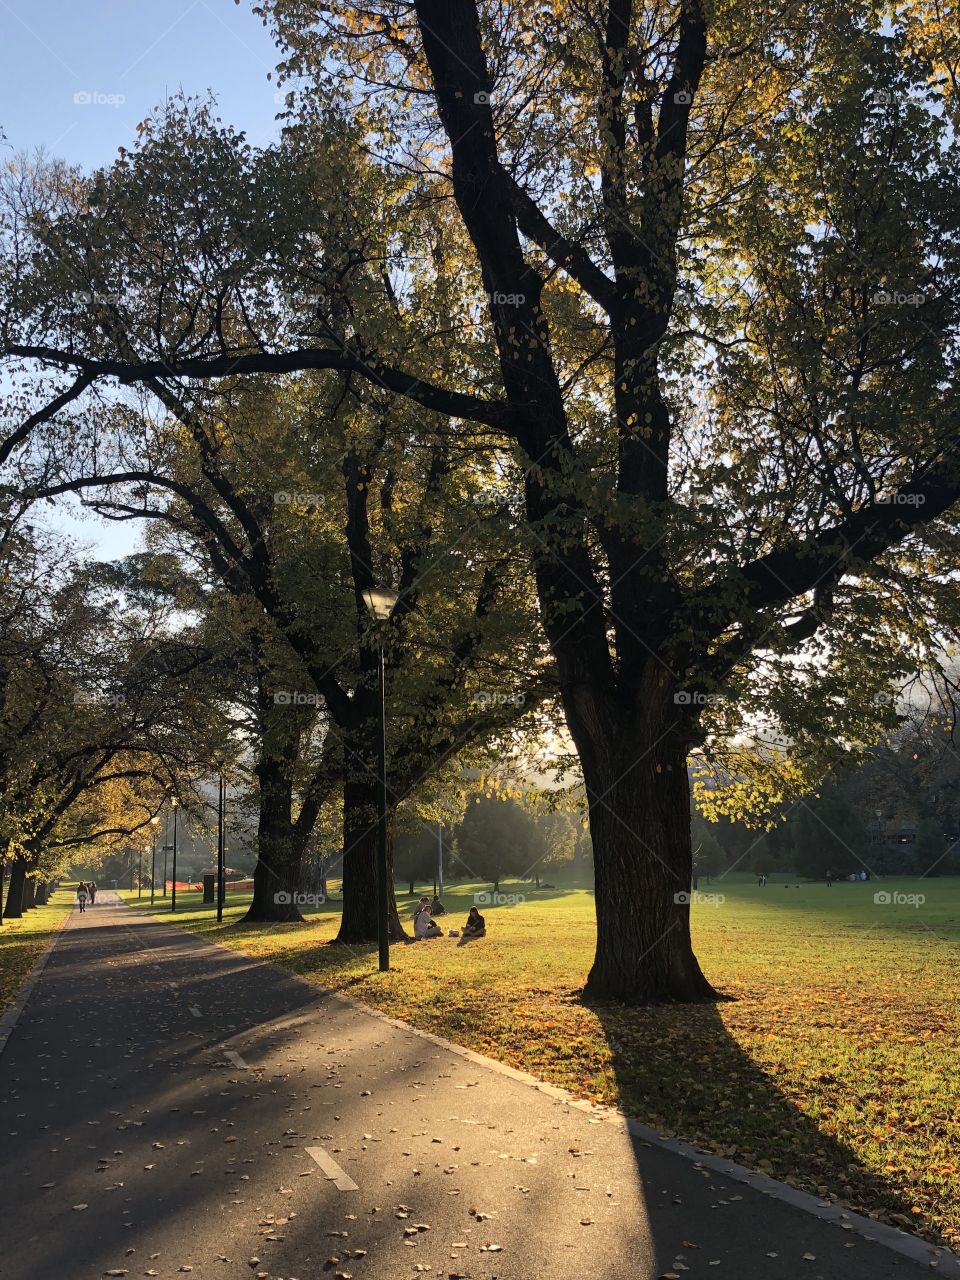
935, 1257
9, 1020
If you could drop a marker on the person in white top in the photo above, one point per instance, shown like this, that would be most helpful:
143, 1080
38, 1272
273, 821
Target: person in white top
423, 922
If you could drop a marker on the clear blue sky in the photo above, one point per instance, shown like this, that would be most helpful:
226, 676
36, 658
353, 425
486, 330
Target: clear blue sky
127, 56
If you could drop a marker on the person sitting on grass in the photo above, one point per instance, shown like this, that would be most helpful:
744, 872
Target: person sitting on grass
476, 926
423, 923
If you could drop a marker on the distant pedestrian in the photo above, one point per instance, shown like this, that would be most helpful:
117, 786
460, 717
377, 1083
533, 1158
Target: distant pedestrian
762, 881
82, 896
93, 892
829, 878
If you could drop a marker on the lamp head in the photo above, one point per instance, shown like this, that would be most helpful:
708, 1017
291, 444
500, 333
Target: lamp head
381, 602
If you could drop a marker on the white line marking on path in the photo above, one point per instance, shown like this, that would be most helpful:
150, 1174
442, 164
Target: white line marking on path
195, 1011
333, 1171
235, 1058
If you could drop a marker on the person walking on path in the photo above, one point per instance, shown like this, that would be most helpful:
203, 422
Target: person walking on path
82, 896
92, 890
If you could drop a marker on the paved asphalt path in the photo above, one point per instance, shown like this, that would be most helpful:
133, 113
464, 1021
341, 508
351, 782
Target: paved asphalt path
160, 1100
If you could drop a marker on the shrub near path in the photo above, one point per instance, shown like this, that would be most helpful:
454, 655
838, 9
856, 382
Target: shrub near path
834, 1068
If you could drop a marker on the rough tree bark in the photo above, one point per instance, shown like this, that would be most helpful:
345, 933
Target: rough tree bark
358, 923
15, 892
638, 792
280, 846
29, 892
282, 837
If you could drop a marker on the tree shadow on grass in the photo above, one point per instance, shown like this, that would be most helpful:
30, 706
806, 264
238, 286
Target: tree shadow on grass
679, 1070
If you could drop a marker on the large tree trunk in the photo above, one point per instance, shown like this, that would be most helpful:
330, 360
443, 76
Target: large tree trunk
18, 875
359, 920
29, 893
280, 846
42, 893
638, 794
276, 877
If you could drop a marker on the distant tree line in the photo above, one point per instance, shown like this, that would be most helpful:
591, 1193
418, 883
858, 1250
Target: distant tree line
498, 838
898, 815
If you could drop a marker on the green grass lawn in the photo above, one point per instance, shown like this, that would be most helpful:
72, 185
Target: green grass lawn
834, 1068
21, 942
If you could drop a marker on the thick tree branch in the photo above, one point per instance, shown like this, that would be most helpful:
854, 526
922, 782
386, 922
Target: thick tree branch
560, 249
845, 547
453, 404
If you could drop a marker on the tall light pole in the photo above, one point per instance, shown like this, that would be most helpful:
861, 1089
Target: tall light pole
381, 602
154, 823
166, 846
221, 889
173, 887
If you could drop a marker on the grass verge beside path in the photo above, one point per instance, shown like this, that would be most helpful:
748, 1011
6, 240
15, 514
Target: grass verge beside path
22, 941
834, 1069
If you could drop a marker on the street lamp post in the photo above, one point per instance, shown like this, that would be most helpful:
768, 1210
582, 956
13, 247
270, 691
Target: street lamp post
154, 823
381, 602
440, 856
173, 887
221, 893
166, 846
